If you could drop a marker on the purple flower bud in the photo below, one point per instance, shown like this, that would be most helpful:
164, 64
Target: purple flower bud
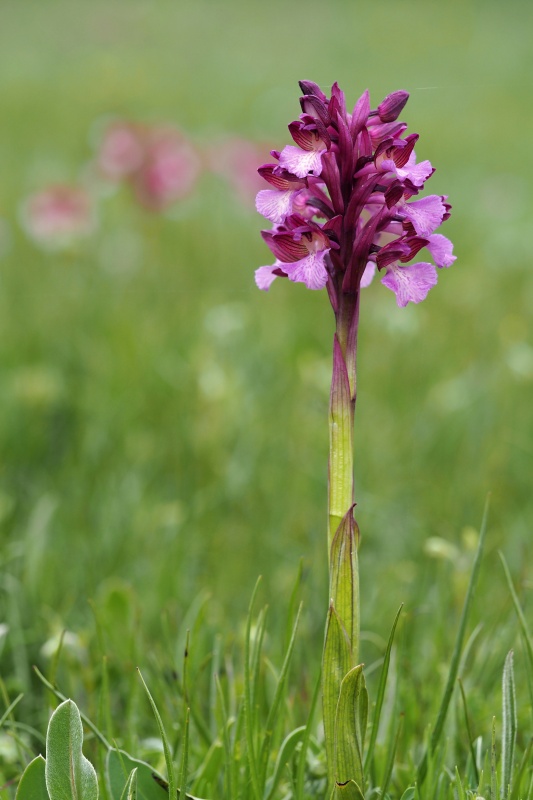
393, 105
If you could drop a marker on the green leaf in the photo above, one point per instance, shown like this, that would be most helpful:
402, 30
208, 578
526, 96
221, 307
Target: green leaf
409, 794
32, 785
344, 579
337, 660
351, 715
69, 775
509, 725
119, 766
248, 705
348, 791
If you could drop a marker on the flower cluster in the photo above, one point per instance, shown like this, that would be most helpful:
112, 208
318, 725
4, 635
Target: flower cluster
341, 201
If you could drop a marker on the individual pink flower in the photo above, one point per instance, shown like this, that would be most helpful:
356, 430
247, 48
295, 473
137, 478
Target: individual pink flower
57, 216
169, 170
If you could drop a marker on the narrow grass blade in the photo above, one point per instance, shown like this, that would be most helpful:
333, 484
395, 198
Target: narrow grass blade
172, 789
182, 782
519, 612
387, 775
509, 724
459, 786
456, 655
68, 773
469, 731
99, 735
294, 607
276, 701
337, 661
286, 751
305, 742
351, 713
130, 789
9, 709
248, 709
493, 775
32, 785
381, 693
525, 766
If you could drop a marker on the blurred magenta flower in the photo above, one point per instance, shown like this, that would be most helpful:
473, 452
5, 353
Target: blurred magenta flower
159, 162
359, 174
58, 216
120, 150
169, 170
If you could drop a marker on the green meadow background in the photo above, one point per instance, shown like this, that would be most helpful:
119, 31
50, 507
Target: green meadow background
163, 424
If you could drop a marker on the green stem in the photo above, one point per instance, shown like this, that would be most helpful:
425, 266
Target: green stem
341, 645
341, 414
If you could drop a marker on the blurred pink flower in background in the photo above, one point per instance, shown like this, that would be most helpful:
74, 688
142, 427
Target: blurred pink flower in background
58, 215
236, 160
159, 162
169, 170
120, 150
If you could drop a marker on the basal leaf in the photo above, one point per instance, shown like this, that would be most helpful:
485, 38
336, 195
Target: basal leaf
69, 775
337, 661
348, 791
351, 708
32, 785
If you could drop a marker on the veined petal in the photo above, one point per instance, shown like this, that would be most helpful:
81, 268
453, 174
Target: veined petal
425, 214
284, 246
301, 162
309, 270
264, 276
368, 274
441, 249
416, 173
410, 284
274, 205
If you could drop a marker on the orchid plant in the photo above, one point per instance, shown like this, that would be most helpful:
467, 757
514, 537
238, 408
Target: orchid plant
344, 203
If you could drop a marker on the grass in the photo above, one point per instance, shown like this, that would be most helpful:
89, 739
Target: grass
163, 424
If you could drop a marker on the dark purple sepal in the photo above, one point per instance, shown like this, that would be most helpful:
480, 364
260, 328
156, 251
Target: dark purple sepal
280, 178
346, 154
333, 227
314, 107
330, 173
309, 87
394, 194
402, 149
414, 244
360, 113
391, 107
285, 247
309, 133
356, 267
